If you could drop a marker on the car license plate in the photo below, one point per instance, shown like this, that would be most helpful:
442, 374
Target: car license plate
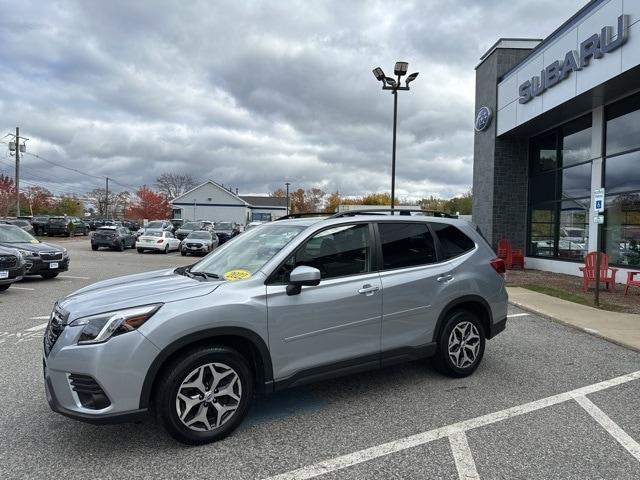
148, 240
4, 274
53, 265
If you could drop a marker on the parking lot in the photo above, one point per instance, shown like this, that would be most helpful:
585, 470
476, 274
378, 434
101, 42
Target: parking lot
548, 401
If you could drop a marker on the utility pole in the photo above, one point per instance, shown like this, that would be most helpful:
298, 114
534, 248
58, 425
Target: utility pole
106, 200
287, 184
17, 179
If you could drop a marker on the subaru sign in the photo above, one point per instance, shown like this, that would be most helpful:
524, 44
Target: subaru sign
483, 119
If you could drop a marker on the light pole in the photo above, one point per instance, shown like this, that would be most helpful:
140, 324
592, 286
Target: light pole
18, 148
389, 83
287, 184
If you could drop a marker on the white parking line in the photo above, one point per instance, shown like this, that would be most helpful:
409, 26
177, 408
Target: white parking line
74, 277
513, 315
22, 288
37, 327
610, 426
463, 457
350, 459
44, 317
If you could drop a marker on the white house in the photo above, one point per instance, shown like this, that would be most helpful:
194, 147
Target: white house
211, 201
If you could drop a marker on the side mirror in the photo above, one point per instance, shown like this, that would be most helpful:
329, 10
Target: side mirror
302, 276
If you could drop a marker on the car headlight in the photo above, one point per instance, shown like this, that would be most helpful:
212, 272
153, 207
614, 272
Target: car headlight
101, 327
65, 254
26, 253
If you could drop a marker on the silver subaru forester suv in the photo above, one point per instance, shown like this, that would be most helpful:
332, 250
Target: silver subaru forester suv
285, 303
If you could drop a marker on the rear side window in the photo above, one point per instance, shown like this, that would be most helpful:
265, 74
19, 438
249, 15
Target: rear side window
406, 245
452, 241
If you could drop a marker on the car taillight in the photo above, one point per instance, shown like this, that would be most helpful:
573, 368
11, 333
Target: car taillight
159, 241
499, 266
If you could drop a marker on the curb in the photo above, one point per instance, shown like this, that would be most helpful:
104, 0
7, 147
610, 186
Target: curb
590, 331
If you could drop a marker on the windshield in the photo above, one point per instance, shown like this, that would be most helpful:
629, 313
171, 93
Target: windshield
13, 234
190, 226
202, 235
154, 225
153, 234
246, 254
58, 220
106, 229
223, 226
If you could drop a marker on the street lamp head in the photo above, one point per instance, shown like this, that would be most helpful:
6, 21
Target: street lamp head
379, 74
390, 81
401, 68
411, 78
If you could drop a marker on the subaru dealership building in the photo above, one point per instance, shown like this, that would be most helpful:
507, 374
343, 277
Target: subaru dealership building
558, 121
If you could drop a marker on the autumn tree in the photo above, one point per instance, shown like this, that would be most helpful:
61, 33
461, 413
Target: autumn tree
7, 195
114, 203
173, 185
148, 204
68, 205
39, 200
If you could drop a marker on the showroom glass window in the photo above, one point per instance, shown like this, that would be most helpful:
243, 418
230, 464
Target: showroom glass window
622, 182
560, 190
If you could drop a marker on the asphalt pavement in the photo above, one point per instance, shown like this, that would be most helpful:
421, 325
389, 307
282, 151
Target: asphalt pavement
548, 401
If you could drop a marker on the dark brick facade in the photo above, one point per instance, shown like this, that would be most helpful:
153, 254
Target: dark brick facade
499, 164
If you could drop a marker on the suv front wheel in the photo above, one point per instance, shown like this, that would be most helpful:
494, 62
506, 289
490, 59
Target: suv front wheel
204, 394
461, 344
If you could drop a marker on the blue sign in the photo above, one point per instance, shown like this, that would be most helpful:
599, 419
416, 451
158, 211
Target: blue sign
483, 119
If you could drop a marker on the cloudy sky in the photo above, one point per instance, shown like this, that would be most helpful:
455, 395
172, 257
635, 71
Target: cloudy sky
250, 93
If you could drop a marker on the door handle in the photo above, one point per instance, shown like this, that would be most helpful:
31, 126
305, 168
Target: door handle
368, 290
445, 278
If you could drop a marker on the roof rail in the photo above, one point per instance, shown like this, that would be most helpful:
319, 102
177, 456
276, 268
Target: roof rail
303, 215
395, 211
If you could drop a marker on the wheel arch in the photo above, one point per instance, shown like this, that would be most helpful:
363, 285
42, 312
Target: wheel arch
246, 342
472, 303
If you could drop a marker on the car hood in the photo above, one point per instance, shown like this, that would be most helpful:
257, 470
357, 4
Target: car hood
34, 247
196, 240
160, 286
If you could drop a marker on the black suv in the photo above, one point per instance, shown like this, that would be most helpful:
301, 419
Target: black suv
44, 259
66, 226
11, 267
113, 237
40, 224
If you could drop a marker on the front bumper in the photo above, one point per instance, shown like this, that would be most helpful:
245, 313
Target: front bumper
195, 249
117, 366
38, 266
14, 274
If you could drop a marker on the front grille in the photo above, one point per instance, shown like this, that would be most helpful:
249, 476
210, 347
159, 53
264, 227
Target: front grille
194, 244
8, 261
54, 329
51, 255
88, 391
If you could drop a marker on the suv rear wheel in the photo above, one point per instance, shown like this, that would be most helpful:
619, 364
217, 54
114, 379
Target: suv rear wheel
204, 394
461, 344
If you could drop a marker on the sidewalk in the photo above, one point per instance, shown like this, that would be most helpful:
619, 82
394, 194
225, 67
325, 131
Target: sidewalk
620, 328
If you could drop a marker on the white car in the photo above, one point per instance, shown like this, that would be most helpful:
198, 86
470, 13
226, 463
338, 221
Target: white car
157, 240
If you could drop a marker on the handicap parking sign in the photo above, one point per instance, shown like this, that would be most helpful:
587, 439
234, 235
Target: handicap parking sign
598, 200
598, 204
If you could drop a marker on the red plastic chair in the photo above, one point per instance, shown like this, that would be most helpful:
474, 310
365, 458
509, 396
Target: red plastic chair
607, 274
631, 281
512, 256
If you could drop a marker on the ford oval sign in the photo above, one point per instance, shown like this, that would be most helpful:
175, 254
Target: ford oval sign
483, 119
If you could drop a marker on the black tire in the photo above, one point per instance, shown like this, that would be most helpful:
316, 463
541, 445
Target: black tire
183, 253
166, 249
176, 372
94, 247
86, 232
49, 276
4, 287
443, 361
140, 250
121, 246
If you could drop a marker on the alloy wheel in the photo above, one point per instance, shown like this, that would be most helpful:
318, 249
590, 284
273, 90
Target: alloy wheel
464, 344
208, 397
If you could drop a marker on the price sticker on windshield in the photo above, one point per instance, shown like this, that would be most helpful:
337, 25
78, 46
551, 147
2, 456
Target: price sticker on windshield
234, 275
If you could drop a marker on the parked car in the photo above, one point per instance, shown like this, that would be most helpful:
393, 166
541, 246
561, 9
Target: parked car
176, 222
158, 240
66, 226
165, 225
39, 224
11, 267
199, 242
283, 304
224, 231
189, 227
44, 259
119, 238
23, 224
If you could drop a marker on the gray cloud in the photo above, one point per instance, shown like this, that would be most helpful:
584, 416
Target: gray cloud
252, 93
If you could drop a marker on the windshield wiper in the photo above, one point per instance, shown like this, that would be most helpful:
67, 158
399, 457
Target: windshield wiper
187, 271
